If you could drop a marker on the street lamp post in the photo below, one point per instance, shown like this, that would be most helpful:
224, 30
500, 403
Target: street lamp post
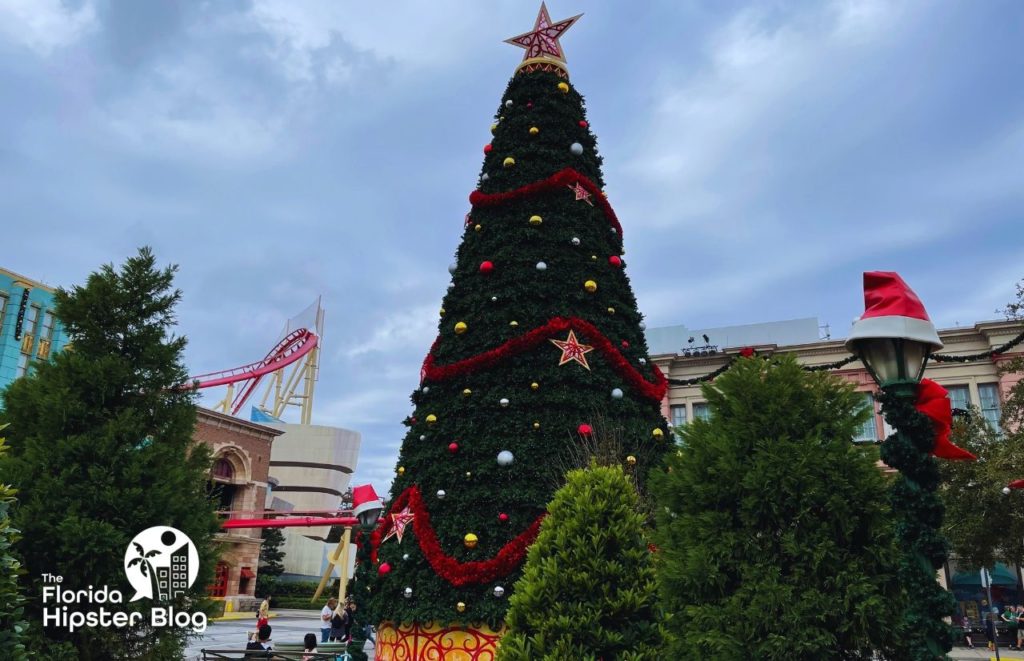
894, 339
367, 508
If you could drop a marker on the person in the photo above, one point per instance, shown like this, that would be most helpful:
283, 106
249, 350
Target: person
990, 628
965, 624
338, 617
1020, 627
263, 615
1009, 616
325, 619
350, 612
263, 643
308, 646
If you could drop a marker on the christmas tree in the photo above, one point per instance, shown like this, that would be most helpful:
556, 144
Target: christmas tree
540, 347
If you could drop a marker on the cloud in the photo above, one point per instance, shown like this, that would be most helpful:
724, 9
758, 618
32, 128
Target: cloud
45, 26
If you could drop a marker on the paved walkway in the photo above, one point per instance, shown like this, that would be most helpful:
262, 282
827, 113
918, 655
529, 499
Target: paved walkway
289, 626
981, 653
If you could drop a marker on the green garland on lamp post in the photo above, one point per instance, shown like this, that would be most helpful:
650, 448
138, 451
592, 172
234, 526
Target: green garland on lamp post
924, 635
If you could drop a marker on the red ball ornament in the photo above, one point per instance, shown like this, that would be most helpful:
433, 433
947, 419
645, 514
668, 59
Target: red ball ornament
625, 344
615, 261
453, 447
583, 123
503, 517
585, 429
486, 267
529, 105
384, 568
487, 148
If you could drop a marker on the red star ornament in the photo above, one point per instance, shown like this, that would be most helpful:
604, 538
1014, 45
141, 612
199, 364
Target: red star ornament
398, 523
580, 192
542, 41
572, 350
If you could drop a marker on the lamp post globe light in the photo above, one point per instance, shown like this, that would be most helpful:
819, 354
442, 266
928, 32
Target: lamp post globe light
894, 338
366, 505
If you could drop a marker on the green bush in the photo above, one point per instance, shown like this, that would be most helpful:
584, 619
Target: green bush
12, 623
774, 533
588, 588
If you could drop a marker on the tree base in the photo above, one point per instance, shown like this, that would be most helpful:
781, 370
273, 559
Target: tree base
411, 641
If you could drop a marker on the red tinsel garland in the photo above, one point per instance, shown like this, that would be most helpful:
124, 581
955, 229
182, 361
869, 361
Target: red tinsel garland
557, 181
655, 391
457, 573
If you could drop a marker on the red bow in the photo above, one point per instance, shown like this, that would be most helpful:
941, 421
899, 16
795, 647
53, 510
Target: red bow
933, 401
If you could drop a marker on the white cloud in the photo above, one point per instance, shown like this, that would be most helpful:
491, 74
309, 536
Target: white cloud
399, 331
45, 25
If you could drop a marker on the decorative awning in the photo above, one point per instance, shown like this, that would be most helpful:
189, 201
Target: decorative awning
247, 573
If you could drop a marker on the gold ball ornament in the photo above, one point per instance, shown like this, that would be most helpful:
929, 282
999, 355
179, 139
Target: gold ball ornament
461, 607
513, 323
590, 286
441, 312
611, 310
466, 392
494, 127
593, 257
536, 220
469, 474
536, 425
477, 228
631, 460
401, 470
508, 162
658, 434
563, 88
534, 130
470, 540
431, 419
461, 327
534, 386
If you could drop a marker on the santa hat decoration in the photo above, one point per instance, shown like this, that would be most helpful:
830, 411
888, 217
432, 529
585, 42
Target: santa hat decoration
365, 498
892, 309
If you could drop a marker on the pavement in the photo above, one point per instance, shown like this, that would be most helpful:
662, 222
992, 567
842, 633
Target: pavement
979, 652
289, 626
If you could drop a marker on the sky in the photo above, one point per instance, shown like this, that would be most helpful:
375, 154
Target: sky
759, 155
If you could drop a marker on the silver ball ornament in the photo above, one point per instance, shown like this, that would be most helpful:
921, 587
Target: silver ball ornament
423, 437
616, 393
494, 299
425, 389
541, 266
642, 361
643, 326
451, 286
503, 401
508, 103
499, 591
576, 149
405, 556
485, 177
407, 593
505, 458
441, 493
452, 267
575, 241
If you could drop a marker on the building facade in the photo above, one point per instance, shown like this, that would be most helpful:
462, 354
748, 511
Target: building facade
240, 480
29, 329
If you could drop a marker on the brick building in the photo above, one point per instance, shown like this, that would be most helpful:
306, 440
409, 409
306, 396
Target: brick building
239, 477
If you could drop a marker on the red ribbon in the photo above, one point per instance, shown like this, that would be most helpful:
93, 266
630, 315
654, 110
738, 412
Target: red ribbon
933, 401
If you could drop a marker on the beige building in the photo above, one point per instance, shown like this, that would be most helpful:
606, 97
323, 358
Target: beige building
311, 466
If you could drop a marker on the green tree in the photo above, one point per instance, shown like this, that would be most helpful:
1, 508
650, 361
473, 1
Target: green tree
588, 588
774, 534
541, 256
101, 449
270, 561
12, 622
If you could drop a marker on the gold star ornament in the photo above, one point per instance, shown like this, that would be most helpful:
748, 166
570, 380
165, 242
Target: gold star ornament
572, 350
543, 52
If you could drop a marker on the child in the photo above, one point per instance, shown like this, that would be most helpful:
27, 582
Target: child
309, 646
965, 624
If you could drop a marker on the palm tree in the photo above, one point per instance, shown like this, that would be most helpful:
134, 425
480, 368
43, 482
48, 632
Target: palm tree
145, 566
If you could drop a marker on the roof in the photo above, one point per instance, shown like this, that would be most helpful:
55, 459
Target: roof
674, 339
34, 283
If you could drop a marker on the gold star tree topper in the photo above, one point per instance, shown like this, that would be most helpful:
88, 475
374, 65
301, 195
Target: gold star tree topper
543, 52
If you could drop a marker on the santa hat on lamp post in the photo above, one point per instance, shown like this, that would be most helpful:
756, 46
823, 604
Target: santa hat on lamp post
892, 310
364, 500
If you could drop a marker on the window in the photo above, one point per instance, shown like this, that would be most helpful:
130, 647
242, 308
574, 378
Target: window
22, 366
678, 417
990, 406
701, 411
46, 332
3, 309
223, 469
959, 397
868, 431
28, 325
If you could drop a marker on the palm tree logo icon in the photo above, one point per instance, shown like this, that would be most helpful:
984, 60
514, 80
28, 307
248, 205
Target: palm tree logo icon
161, 563
142, 560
